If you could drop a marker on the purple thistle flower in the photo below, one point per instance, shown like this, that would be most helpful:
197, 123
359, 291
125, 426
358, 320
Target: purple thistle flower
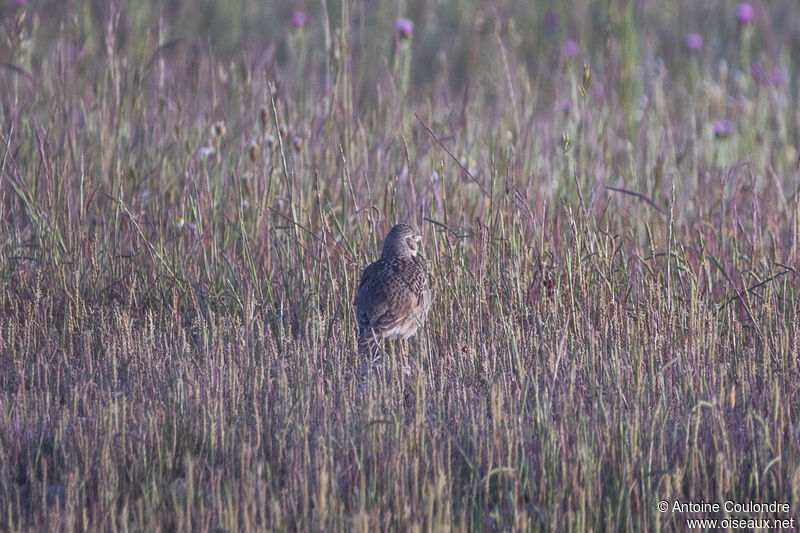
745, 13
550, 22
758, 72
570, 49
722, 128
693, 42
404, 27
19, 3
778, 77
299, 19
598, 90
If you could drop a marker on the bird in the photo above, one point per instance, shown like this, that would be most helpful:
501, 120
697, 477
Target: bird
393, 296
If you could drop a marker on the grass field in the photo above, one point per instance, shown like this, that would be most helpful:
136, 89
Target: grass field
190, 189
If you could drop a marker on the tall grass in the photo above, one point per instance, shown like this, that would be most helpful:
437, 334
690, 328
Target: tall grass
187, 198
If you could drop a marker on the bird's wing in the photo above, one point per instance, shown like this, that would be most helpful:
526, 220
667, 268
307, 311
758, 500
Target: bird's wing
413, 274
370, 301
366, 275
390, 292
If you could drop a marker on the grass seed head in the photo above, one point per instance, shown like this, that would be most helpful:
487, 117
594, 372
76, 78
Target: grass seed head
247, 182
264, 113
253, 151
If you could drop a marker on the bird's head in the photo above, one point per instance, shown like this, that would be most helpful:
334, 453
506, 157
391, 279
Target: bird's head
402, 241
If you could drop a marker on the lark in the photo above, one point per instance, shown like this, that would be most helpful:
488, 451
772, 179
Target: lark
393, 296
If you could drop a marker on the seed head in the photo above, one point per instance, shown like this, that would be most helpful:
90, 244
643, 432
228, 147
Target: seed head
253, 151
264, 116
247, 182
220, 129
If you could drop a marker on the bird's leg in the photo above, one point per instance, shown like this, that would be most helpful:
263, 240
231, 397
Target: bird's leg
404, 356
369, 365
409, 382
366, 351
364, 377
370, 351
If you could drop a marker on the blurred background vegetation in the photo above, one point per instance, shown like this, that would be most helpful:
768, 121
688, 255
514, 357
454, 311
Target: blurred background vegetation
455, 40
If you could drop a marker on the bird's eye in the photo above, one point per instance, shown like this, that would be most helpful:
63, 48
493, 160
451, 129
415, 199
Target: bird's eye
411, 243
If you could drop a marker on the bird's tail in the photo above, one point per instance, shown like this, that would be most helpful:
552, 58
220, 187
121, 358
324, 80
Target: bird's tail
369, 351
